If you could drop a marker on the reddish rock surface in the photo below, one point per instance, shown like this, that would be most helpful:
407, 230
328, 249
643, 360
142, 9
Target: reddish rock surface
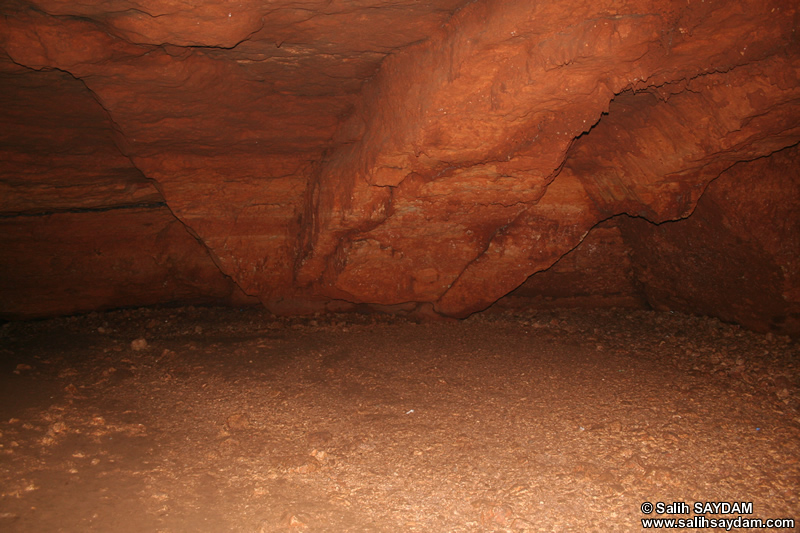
749, 272
81, 228
57, 149
333, 153
597, 273
66, 263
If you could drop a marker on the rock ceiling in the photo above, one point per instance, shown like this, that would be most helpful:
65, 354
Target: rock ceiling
434, 154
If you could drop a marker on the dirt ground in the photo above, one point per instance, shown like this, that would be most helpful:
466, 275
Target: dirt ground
216, 420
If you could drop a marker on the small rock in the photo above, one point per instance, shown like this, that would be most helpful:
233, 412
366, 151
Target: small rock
308, 468
22, 367
495, 514
139, 344
294, 520
323, 458
56, 428
228, 446
238, 422
319, 438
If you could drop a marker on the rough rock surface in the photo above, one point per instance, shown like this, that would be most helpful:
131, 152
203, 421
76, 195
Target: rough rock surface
212, 420
56, 264
81, 228
391, 154
597, 273
750, 271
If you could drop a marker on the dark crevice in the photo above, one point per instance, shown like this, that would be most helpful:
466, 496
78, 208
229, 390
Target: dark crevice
144, 205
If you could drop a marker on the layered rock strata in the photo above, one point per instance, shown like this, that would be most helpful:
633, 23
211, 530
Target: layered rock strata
432, 155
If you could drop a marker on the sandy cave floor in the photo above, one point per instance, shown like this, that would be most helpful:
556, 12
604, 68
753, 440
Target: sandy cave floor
234, 420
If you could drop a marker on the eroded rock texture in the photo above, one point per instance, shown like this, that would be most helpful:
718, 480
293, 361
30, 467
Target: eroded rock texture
433, 154
736, 257
81, 228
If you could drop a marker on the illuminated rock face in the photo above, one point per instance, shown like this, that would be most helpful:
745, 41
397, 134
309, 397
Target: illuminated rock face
322, 154
736, 257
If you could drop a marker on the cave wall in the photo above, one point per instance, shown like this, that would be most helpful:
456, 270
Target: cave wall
736, 257
509, 134
67, 263
596, 273
437, 155
81, 229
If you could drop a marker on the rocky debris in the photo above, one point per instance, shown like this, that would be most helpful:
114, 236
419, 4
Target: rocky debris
502, 422
140, 344
238, 422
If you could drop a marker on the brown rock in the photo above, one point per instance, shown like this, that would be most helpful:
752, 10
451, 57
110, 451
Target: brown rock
137, 345
294, 520
494, 513
430, 156
238, 422
317, 439
749, 272
459, 166
597, 273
